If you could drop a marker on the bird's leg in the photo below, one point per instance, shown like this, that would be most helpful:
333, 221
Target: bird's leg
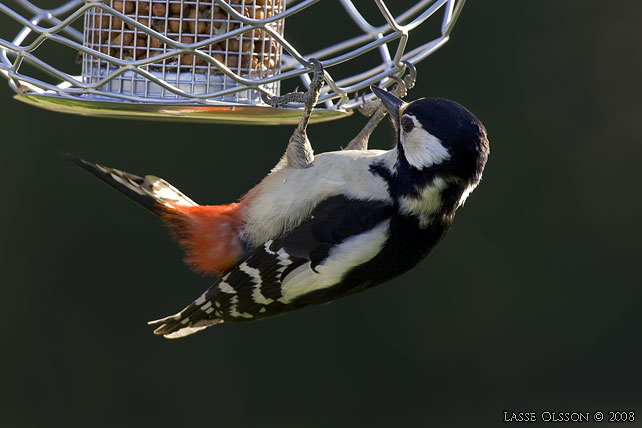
299, 153
377, 112
360, 141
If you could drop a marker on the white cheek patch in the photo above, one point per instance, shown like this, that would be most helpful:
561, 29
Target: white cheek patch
421, 148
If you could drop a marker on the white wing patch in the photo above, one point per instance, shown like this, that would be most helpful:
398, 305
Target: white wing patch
266, 246
225, 287
284, 260
234, 301
352, 252
255, 275
201, 299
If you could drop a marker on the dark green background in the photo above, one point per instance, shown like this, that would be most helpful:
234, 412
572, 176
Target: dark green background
531, 303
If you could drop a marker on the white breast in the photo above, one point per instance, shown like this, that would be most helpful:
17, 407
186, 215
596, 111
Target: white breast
287, 196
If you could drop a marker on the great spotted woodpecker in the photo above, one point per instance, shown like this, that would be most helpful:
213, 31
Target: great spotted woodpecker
321, 227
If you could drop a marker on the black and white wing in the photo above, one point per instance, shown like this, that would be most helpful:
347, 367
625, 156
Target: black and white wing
303, 266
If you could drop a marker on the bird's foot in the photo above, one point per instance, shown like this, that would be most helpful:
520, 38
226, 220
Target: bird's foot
407, 83
367, 108
299, 153
376, 111
400, 90
308, 98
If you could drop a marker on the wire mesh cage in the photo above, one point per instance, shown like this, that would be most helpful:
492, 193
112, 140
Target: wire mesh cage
212, 59
253, 54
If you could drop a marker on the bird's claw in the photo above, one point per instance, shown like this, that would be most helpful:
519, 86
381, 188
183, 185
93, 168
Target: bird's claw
376, 111
400, 90
411, 77
367, 108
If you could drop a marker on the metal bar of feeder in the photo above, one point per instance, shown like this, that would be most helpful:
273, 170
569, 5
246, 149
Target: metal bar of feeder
176, 83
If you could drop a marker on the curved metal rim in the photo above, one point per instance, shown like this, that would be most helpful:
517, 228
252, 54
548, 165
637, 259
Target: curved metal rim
241, 115
337, 94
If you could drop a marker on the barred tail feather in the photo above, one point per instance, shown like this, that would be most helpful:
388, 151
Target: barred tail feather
209, 234
153, 193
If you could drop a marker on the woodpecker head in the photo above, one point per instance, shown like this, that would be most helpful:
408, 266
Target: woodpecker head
438, 136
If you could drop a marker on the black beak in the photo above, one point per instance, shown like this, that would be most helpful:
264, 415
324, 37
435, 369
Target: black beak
391, 103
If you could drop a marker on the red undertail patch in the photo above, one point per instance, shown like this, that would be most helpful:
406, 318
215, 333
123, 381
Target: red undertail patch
209, 235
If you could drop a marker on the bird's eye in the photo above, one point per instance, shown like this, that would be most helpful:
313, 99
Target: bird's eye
407, 124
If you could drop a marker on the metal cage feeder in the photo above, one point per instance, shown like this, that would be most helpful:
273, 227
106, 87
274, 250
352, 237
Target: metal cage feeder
207, 60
